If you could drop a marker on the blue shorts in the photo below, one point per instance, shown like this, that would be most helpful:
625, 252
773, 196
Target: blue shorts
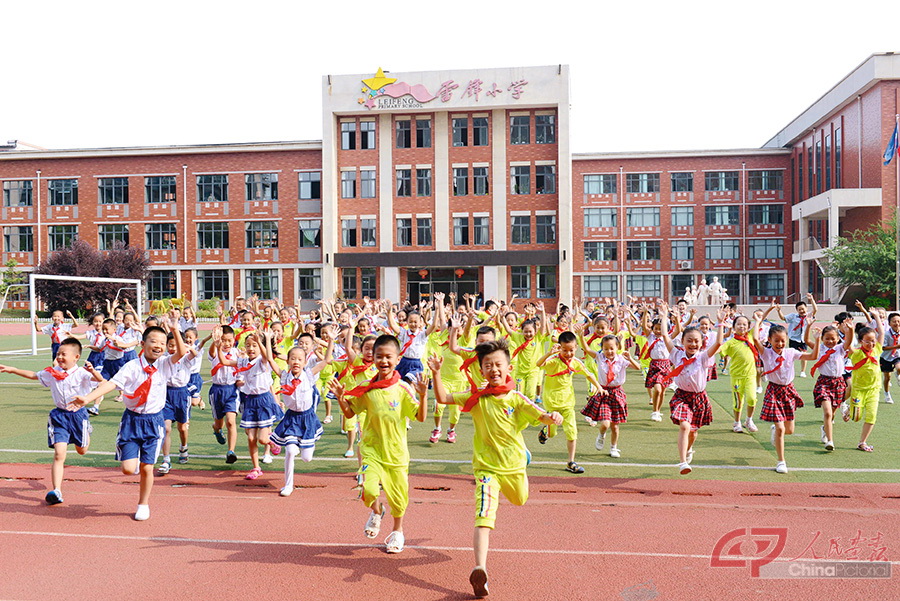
140, 436
54, 348
257, 410
223, 398
409, 368
96, 359
70, 427
178, 405
111, 367
195, 385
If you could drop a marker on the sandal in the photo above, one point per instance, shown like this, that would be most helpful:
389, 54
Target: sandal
373, 524
865, 447
274, 448
394, 542
574, 468
254, 474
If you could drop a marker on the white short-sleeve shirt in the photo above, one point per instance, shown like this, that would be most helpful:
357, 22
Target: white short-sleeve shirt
132, 375
78, 383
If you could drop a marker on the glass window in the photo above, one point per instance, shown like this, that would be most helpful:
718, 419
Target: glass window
766, 284
480, 131
367, 135
480, 181
838, 142
309, 283
799, 177
722, 181
112, 190
766, 214
601, 286
546, 281
818, 166
162, 284
722, 215
682, 250
766, 248
63, 191
423, 182
18, 239
160, 188
17, 193
161, 236
603, 183
367, 282
766, 180
310, 185
545, 229
423, 231
212, 235
647, 286
348, 135
545, 129
682, 182
642, 217
214, 188
682, 216
460, 181
461, 231
520, 180
641, 183
262, 283
404, 182
521, 229
729, 281
423, 133
723, 249
519, 130
680, 282
367, 232
404, 232
262, 234
112, 236
262, 186
404, 134
809, 171
310, 233
348, 232
642, 250
545, 179
601, 251
367, 183
827, 162
348, 283
481, 231
213, 283
520, 281
594, 217
62, 236
461, 131
348, 184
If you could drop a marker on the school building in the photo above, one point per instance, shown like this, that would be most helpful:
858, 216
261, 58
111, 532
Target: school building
464, 181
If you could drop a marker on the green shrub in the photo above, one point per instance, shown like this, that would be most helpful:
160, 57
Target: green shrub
877, 301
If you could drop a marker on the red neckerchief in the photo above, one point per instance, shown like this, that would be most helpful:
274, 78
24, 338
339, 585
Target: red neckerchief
648, 348
685, 361
504, 388
520, 348
288, 389
245, 330
374, 384
143, 391
247, 367
59, 375
778, 363
610, 371
868, 358
746, 341
821, 361
567, 370
593, 337
111, 346
217, 367
410, 339
54, 333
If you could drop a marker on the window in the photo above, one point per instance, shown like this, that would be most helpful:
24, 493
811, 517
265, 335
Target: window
112, 190
481, 231
546, 281
17, 193
113, 235
348, 282
643, 286
366, 183
404, 135
460, 181
827, 162
348, 232
309, 283
348, 184
682, 182
520, 281
601, 286
729, 281
680, 282
521, 229
766, 284
367, 135
461, 131
722, 181
641, 183
800, 176
212, 235
722, 215
519, 130
63, 192
642, 217
213, 283
601, 251
480, 131
214, 188
404, 232
818, 166
545, 179
262, 186
766, 214
600, 217
423, 135
545, 129
723, 249
367, 282
461, 231
160, 236
545, 229
18, 239
404, 182
766, 248
162, 284
423, 231
159, 188
367, 232
62, 236
310, 233
682, 216
520, 180
766, 180
809, 171
262, 234
682, 250
604, 183
310, 185
423, 182
348, 135
262, 283
481, 185
838, 142
642, 250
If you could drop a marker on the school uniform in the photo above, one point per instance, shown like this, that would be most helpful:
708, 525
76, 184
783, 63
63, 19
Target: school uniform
223, 392
559, 392
300, 425
257, 403
178, 402
112, 356
130, 335
796, 325
866, 382
195, 382
782, 399
612, 406
57, 334
741, 369
142, 429
97, 339
888, 359
690, 402
831, 384
64, 425
655, 350
412, 348
186, 324
524, 355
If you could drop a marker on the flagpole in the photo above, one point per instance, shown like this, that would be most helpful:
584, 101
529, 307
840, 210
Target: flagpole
897, 218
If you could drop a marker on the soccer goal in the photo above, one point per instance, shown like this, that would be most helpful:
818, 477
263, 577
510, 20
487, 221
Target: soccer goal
32, 295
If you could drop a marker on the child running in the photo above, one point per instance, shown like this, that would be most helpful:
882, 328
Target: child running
742, 356
57, 329
178, 402
828, 392
222, 392
864, 381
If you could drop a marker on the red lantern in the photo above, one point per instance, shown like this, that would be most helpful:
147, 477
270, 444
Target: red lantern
459, 273
423, 273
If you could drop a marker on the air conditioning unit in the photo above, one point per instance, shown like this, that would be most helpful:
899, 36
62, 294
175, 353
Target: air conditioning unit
686, 264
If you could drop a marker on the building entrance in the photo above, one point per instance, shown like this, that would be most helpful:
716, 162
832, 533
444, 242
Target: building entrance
423, 282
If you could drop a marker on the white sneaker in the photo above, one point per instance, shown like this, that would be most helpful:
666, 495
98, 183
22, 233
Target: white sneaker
802, 375
759, 390
751, 427
394, 542
164, 468
829, 445
737, 428
614, 453
673, 386
266, 459
286, 491
824, 438
601, 438
888, 399
781, 467
142, 513
684, 468
656, 416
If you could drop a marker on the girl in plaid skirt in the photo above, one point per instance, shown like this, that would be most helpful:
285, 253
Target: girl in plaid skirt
655, 350
830, 387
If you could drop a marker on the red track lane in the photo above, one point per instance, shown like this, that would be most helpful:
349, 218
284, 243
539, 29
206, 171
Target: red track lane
589, 538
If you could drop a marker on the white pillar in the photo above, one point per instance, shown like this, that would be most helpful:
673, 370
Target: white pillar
390, 284
499, 180
386, 180
441, 175
492, 283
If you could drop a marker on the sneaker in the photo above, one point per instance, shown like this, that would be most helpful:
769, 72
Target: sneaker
253, 474
601, 438
478, 579
267, 459
781, 467
286, 491
845, 411
574, 468
542, 435
220, 438
656, 416
230, 457
673, 386
865, 447
373, 524
451, 435
435, 435
54, 497
538, 400
759, 390
614, 452
684, 468
183, 455
802, 375
164, 468
349, 453
888, 398
394, 542
750, 426
829, 445
738, 429
142, 513
824, 438
93, 411
690, 455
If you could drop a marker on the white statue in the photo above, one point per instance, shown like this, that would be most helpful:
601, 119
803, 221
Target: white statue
725, 297
715, 292
688, 296
703, 293
695, 294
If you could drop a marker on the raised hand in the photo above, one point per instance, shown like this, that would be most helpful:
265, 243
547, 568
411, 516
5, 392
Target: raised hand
421, 384
435, 362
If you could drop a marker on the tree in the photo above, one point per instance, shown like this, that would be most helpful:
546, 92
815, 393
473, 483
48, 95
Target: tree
11, 277
868, 258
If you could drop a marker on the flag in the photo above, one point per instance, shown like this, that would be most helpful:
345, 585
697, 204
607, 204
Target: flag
891, 149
